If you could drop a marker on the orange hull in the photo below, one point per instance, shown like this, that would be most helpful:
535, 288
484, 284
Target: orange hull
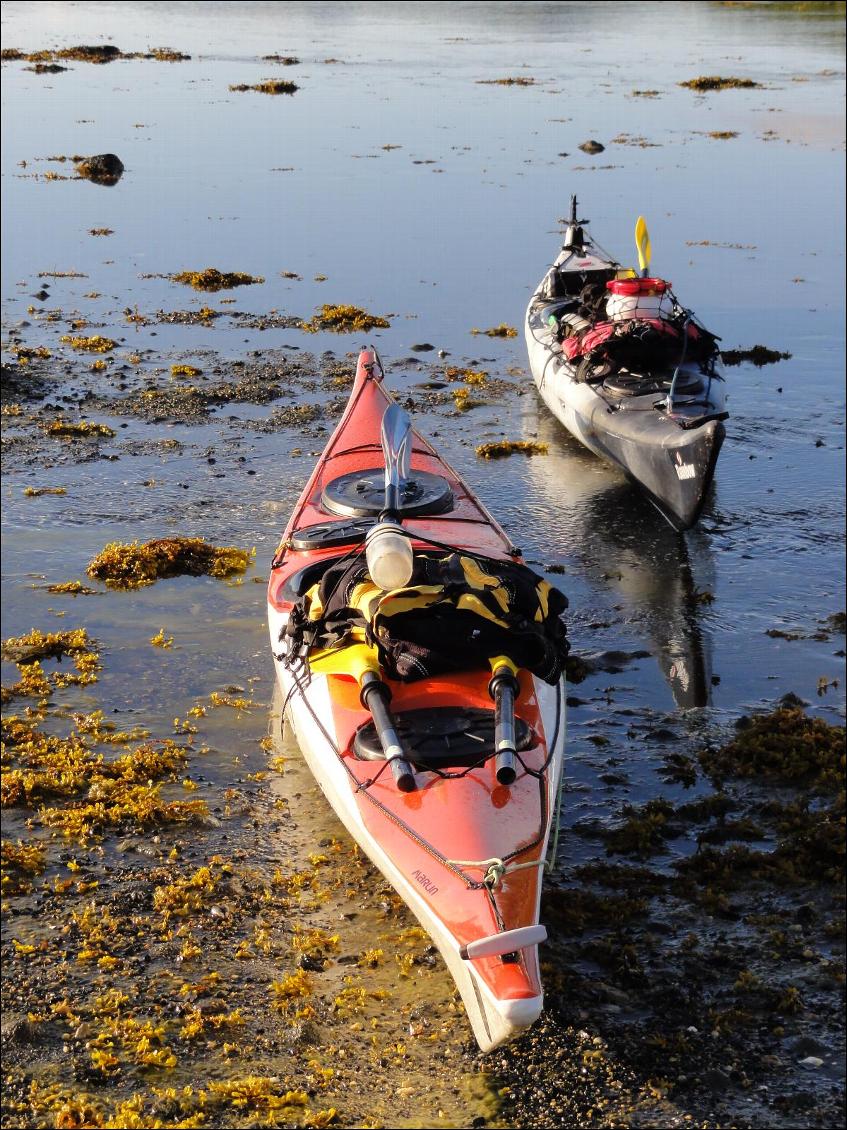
433, 844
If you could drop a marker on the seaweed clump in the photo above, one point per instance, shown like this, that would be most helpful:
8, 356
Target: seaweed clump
783, 750
84, 53
83, 429
19, 862
498, 331
759, 355
124, 792
95, 344
71, 588
344, 320
167, 55
476, 377
269, 86
213, 279
784, 747
644, 830
136, 565
717, 82
27, 653
506, 447
521, 81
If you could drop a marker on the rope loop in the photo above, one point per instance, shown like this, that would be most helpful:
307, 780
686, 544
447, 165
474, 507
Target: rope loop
495, 869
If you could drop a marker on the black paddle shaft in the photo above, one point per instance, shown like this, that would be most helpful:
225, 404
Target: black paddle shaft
503, 688
375, 696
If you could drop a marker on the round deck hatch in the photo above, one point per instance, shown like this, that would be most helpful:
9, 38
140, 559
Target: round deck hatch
361, 494
326, 535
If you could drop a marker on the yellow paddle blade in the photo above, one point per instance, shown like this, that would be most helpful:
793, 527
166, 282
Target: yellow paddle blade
642, 243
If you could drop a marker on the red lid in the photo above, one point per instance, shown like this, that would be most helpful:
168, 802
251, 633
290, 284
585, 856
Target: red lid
631, 288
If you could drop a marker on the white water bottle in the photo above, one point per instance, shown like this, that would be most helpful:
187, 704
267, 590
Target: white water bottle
389, 555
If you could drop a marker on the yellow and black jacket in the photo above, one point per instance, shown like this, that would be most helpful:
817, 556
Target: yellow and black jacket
455, 614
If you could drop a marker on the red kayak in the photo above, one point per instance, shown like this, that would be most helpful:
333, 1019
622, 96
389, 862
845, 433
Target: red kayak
430, 706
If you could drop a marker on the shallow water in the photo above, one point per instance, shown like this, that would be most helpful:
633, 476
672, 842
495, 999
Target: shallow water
449, 231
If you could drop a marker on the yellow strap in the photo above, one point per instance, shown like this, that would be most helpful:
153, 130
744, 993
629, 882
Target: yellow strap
503, 661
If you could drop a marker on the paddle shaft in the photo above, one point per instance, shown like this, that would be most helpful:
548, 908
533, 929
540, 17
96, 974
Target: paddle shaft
376, 696
503, 689
642, 243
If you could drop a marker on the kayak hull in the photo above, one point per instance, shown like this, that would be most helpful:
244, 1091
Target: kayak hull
434, 845
494, 1019
669, 454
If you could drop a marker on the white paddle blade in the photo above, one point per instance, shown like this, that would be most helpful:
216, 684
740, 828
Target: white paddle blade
396, 445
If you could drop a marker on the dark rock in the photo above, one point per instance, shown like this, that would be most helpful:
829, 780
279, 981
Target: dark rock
424, 348
102, 168
313, 964
592, 147
715, 1079
21, 1032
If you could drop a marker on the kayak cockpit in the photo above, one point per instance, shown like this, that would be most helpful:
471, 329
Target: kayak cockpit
443, 738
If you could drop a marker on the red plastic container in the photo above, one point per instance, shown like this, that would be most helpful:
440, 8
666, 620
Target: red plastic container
634, 288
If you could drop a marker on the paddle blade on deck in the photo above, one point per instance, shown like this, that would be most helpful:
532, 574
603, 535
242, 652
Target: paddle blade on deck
396, 446
642, 243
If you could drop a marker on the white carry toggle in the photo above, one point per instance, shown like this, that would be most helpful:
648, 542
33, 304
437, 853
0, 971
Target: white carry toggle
507, 942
